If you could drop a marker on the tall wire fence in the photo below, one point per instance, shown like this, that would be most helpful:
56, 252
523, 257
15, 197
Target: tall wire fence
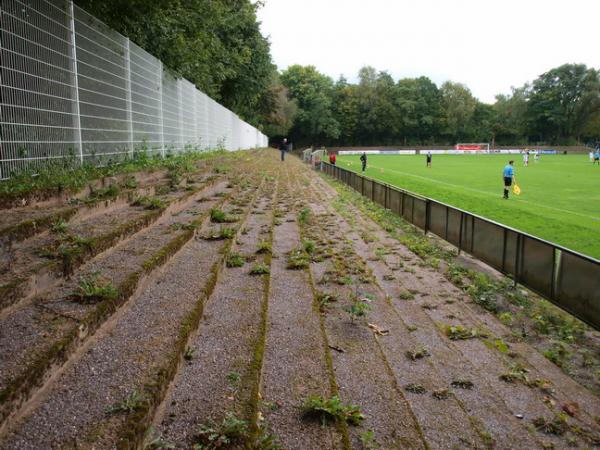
71, 88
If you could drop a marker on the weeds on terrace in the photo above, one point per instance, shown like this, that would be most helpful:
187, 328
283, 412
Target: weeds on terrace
188, 355
154, 441
457, 332
367, 439
264, 247
309, 247
218, 216
221, 233
441, 394
298, 259
331, 410
230, 432
415, 388
234, 377
130, 183
418, 353
235, 260
516, 373
104, 193
360, 307
260, 269
132, 403
557, 353
92, 289
303, 216
325, 300
557, 426
59, 226
462, 384
149, 203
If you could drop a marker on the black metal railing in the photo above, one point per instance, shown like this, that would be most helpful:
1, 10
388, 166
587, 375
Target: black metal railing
567, 278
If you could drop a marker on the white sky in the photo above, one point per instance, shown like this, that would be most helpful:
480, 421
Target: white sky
489, 45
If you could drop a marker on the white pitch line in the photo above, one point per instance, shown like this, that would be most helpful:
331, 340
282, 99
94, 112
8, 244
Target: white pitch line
597, 219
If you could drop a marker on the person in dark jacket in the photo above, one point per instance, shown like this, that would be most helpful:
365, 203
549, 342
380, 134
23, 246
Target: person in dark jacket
363, 160
283, 147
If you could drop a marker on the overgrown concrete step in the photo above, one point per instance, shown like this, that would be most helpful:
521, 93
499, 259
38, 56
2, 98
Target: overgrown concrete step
222, 374
35, 264
43, 332
442, 310
22, 222
132, 358
361, 370
295, 361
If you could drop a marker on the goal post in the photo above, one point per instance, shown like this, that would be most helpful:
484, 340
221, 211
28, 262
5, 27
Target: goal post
473, 146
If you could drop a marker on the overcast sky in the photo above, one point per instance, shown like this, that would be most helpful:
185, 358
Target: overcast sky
488, 45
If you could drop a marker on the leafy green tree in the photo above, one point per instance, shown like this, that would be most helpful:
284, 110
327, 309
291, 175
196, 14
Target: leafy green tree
562, 101
510, 117
313, 92
458, 106
418, 100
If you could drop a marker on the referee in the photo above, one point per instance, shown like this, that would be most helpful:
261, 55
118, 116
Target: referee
508, 174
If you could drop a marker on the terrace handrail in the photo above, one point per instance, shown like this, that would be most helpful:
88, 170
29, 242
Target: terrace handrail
567, 278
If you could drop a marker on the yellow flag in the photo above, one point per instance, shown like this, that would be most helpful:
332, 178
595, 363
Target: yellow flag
516, 189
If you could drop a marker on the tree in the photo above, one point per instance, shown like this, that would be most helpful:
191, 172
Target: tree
313, 92
418, 100
510, 117
562, 101
458, 106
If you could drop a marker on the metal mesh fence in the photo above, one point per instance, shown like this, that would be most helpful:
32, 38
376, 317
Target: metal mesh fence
73, 89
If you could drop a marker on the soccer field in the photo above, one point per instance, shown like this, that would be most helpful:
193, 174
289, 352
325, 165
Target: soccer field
559, 201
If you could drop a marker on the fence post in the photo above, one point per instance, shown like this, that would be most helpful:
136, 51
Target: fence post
160, 109
427, 215
77, 118
518, 259
460, 232
128, 96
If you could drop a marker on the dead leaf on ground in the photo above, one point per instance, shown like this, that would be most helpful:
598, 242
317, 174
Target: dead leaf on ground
378, 330
571, 408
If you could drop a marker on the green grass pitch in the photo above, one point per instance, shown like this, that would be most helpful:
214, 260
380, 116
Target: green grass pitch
559, 201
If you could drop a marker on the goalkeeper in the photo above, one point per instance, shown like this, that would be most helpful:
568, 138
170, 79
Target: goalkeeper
508, 174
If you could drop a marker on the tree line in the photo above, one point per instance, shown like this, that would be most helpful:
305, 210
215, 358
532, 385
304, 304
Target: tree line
562, 106
217, 45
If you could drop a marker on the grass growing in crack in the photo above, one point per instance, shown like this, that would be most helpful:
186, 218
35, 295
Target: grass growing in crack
368, 441
264, 247
298, 259
557, 426
360, 307
309, 247
59, 226
415, 388
457, 332
406, 295
188, 355
154, 441
557, 353
219, 216
303, 216
260, 269
230, 432
462, 384
149, 203
331, 410
91, 288
234, 377
221, 233
325, 300
418, 353
235, 260
132, 403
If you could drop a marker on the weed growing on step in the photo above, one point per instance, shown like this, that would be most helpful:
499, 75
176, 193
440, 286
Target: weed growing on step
331, 410
406, 295
149, 203
264, 247
557, 353
91, 288
557, 426
309, 247
219, 216
234, 377
260, 269
220, 234
325, 300
298, 259
103, 193
368, 441
132, 403
458, 332
130, 183
462, 384
418, 353
154, 441
235, 260
188, 355
441, 394
230, 432
59, 226
303, 216
415, 388
360, 307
